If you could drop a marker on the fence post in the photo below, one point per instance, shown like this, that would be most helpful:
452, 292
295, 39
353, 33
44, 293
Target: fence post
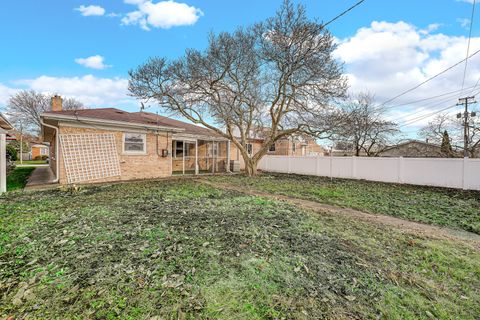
317, 166
354, 167
400, 165
331, 165
464, 172
289, 170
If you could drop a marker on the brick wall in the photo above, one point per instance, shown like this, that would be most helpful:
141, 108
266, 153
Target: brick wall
149, 166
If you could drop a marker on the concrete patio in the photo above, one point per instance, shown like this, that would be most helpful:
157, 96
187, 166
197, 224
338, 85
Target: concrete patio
41, 176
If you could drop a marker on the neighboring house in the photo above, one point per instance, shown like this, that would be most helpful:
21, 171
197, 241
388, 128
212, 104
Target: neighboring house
413, 149
38, 150
4, 127
101, 145
294, 145
11, 137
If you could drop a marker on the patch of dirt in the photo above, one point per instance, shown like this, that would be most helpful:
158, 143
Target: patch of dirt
410, 227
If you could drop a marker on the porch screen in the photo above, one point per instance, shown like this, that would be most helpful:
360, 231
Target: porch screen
89, 156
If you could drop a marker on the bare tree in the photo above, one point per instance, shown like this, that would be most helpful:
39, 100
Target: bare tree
366, 128
278, 74
24, 108
434, 131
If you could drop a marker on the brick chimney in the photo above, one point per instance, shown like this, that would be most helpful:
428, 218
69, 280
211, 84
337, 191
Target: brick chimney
56, 103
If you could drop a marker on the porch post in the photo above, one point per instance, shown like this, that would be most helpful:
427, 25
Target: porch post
3, 161
228, 156
213, 156
183, 157
196, 156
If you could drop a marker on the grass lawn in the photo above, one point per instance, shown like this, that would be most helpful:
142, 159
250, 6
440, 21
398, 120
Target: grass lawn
440, 206
184, 250
31, 162
17, 179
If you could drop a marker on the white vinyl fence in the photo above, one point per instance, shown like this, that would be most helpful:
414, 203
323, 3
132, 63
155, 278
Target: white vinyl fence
440, 172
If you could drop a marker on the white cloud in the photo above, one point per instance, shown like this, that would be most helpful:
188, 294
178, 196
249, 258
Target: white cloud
92, 91
94, 62
5, 93
464, 22
163, 14
388, 58
91, 10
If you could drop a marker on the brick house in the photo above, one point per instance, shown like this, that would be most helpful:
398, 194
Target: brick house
295, 145
103, 145
38, 150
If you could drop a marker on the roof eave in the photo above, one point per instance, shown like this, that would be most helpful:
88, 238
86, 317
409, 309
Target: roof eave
126, 124
4, 123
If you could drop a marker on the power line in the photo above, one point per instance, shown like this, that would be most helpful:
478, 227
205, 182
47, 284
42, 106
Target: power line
428, 80
409, 122
428, 98
468, 45
421, 117
344, 12
427, 107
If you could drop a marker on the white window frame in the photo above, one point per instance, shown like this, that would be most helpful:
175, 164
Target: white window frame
127, 152
43, 151
272, 148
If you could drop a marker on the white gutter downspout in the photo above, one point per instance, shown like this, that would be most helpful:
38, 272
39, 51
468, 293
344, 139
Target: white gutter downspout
57, 146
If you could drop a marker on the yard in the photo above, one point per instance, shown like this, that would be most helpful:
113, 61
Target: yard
181, 249
17, 179
452, 208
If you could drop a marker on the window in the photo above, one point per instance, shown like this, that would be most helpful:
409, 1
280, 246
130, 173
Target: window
249, 148
178, 153
43, 151
212, 149
294, 147
272, 148
134, 143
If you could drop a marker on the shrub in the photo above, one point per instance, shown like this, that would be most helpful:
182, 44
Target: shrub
12, 152
43, 157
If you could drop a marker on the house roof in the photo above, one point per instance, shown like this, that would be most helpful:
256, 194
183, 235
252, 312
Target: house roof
4, 124
132, 118
38, 143
189, 128
409, 142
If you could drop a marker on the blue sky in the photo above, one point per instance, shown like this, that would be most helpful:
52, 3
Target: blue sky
44, 42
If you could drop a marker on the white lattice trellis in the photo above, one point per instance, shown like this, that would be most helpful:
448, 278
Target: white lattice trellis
89, 156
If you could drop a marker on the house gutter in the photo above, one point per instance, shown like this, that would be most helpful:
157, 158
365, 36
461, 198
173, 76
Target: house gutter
124, 124
57, 146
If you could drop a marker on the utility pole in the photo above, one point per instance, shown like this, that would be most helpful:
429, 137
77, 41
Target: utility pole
466, 117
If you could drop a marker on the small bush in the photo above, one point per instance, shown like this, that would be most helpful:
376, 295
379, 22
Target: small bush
12, 152
41, 158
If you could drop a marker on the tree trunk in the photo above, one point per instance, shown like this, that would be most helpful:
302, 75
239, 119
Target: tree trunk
250, 167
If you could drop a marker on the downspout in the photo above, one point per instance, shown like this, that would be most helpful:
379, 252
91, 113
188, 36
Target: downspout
57, 146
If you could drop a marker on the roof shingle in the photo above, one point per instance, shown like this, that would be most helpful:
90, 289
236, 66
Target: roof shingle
147, 118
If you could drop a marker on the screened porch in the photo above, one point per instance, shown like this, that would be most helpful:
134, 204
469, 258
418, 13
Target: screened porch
195, 156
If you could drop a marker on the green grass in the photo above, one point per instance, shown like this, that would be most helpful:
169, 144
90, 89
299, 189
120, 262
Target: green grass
452, 208
31, 162
181, 249
17, 179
